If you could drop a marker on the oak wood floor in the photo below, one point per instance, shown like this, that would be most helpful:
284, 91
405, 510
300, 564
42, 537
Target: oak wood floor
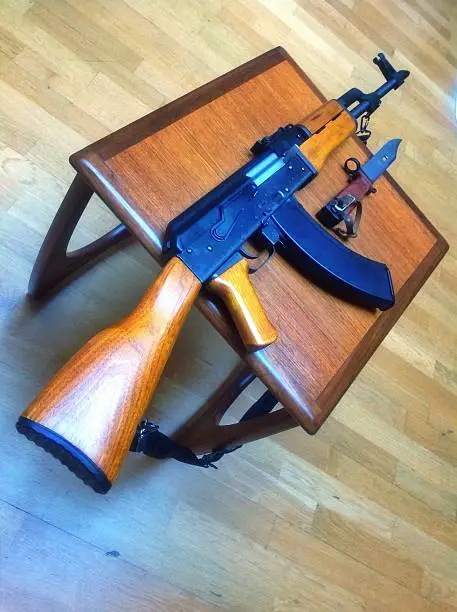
361, 516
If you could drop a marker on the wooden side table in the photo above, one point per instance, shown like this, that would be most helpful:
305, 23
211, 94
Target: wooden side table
151, 170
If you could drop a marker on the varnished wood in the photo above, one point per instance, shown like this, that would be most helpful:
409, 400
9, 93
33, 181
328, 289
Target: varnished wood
321, 145
235, 289
54, 264
97, 399
322, 115
360, 516
147, 196
97, 363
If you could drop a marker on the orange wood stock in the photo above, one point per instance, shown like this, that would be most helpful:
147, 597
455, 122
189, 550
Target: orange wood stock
235, 288
97, 399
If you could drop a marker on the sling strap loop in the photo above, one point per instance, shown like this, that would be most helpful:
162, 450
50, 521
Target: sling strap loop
153, 443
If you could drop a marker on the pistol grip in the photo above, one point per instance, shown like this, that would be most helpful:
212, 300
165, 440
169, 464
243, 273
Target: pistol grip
235, 288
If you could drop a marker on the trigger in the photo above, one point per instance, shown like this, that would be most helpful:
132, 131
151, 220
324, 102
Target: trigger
262, 259
256, 259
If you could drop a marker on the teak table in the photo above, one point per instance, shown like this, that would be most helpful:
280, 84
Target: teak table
151, 170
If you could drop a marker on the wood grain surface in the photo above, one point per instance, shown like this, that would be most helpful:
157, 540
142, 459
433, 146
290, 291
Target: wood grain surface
151, 171
318, 149
235, 289
97, 399
361, 516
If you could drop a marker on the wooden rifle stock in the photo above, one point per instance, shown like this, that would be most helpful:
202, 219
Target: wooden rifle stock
88, 413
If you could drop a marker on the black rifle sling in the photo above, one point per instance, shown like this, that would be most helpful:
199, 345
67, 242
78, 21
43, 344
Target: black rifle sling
153, 443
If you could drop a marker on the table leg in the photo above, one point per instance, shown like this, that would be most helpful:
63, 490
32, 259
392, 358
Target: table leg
203, 434
54, 264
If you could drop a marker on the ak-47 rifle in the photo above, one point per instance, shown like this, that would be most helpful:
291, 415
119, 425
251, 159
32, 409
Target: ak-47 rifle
88, 413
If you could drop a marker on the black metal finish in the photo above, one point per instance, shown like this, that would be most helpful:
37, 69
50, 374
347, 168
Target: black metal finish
256, 203
335, 211
327, 261
207, 235
352, 171
281, 141
368, 103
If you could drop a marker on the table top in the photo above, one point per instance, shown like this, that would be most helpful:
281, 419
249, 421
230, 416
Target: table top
151, 170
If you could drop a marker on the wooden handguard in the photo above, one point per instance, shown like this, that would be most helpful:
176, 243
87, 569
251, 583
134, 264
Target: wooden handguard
87, 415
317, 148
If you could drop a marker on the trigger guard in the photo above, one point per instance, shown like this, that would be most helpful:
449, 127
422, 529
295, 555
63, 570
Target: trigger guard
270, 251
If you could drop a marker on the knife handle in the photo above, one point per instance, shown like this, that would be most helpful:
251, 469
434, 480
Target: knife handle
338, 209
